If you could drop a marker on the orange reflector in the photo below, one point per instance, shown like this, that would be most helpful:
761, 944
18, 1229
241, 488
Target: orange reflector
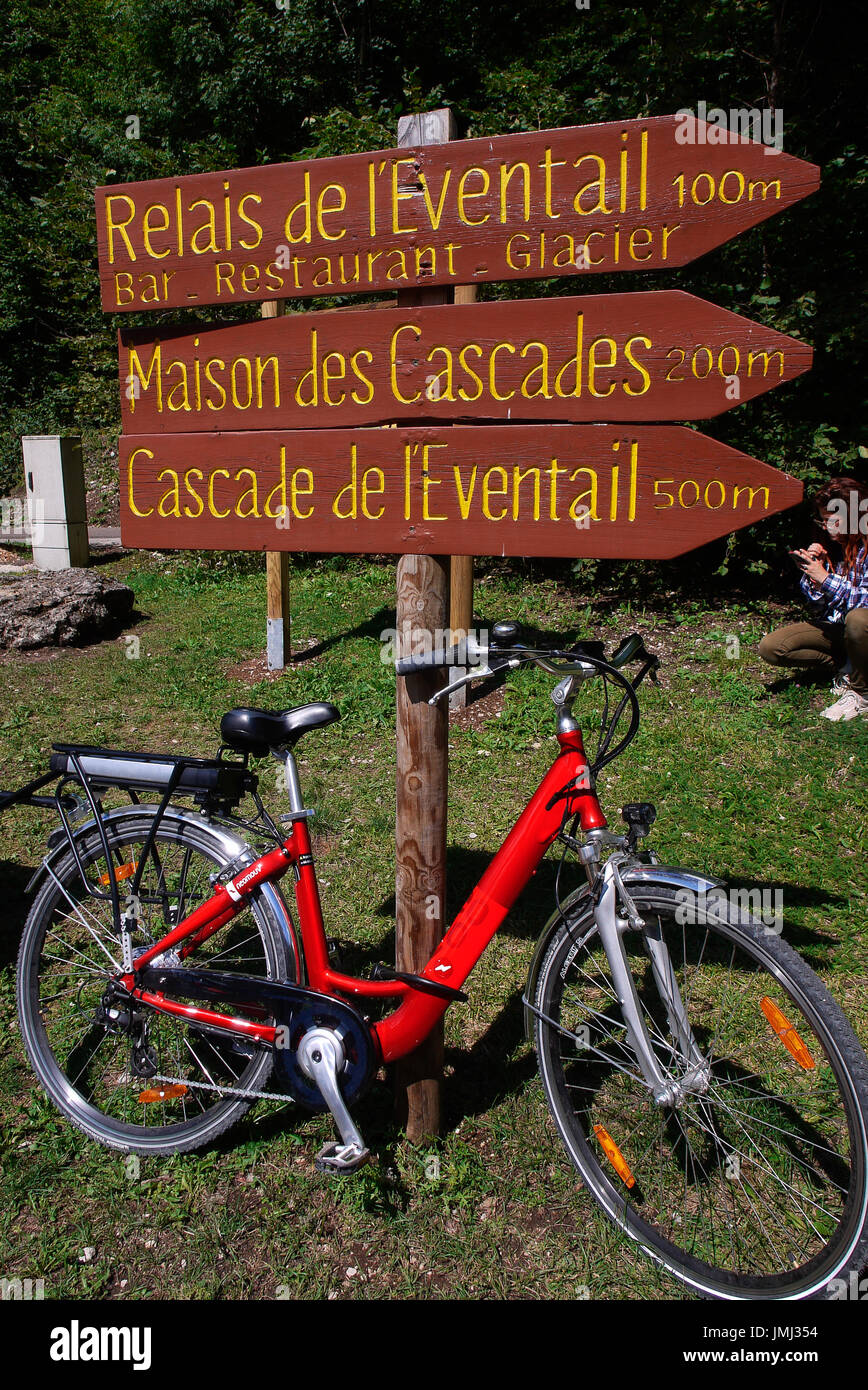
121, 872
787, 1034
162, 1093
614, 1155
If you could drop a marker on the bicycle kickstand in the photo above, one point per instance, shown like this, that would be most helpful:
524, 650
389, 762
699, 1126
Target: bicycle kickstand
321, 1057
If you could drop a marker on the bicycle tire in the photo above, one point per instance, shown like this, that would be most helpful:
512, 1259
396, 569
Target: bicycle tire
59, 995
710, 1176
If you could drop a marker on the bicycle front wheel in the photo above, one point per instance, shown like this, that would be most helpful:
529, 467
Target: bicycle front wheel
753, 1184
139, 1079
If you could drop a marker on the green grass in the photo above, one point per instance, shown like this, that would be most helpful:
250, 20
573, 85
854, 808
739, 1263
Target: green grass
750, 785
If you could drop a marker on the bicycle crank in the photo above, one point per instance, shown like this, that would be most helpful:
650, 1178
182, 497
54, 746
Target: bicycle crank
323, 1051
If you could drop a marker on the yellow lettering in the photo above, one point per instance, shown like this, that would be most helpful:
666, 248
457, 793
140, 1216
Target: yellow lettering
541, 369
522, 264
489, 490
398, 196
470, 347
492, 371
594, 363
112, 226
295, 488
393, 362
215, 362
429, 482
628, 353
369, 488
212, 506
434, 217
251, 221
578, 502
517, 479
141, 378
250, 492
753, 492
170, 493
193, 493
357, 371
599, 183
147, 229
130, 498
322, 211
464, 195
464, 501
181, 387
207, 226
506, 173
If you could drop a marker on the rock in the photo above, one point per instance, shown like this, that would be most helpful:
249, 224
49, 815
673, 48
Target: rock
61, 608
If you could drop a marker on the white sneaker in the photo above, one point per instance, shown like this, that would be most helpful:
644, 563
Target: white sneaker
850, 706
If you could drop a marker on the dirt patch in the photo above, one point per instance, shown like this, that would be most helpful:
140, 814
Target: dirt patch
13, 557
478, 712
255, 668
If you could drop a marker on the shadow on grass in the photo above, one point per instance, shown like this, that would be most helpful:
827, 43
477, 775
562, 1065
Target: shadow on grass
383, 619
13, 880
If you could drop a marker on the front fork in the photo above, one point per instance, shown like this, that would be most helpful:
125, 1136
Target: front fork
610, 896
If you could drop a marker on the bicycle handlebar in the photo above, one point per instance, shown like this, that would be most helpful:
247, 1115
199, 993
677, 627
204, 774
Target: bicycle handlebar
471, 654
427, 661
467, 652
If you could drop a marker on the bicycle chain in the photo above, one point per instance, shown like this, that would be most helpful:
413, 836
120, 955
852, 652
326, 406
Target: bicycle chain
224, 1090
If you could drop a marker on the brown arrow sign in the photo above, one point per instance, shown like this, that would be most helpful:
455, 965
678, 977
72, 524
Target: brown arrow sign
627, 195
657, 355
596, 490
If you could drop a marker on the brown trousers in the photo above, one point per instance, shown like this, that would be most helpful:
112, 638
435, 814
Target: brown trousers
823, 647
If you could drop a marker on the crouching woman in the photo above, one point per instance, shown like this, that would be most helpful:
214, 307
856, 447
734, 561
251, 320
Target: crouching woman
835, 585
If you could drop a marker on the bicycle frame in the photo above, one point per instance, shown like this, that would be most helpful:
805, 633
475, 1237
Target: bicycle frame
562, 793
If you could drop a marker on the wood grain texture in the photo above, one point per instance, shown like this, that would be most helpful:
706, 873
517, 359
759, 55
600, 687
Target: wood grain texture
652, 355
608, 491
279, 652
621, 196
422, 770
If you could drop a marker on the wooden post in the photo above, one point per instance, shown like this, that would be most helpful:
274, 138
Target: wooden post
422, 764
278, 643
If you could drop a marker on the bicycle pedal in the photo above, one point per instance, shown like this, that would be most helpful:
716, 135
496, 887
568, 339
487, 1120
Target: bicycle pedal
341, 1158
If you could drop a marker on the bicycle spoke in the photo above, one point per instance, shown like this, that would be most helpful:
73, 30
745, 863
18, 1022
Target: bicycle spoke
747, 1168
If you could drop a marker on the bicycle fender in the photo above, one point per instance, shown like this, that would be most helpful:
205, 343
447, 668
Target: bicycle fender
80, 832
638, 874
232, 846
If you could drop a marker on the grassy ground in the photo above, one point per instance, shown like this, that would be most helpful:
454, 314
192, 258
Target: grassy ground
749, 783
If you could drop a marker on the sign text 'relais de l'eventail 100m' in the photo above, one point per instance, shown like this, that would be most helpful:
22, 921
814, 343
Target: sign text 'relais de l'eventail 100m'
626, 195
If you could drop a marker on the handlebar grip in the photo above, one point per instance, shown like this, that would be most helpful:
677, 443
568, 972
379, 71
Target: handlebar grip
425, 661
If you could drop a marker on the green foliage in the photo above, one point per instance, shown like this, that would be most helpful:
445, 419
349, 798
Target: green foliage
222, 86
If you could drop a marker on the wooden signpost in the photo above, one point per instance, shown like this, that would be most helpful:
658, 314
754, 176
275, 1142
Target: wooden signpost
524, 427
650, 491
652, 355
626, 195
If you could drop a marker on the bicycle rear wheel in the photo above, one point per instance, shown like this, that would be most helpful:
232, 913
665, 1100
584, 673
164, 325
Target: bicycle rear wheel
102, 1073
754, 1187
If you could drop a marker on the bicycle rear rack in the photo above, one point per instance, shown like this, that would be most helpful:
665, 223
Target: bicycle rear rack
215, 784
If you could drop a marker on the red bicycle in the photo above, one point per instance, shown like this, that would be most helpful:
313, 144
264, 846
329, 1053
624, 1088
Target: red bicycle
705, 1084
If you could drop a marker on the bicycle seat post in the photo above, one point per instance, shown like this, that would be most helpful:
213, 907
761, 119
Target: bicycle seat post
297, 810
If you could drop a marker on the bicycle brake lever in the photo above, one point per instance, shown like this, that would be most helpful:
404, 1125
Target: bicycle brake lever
478, 674
474, 674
